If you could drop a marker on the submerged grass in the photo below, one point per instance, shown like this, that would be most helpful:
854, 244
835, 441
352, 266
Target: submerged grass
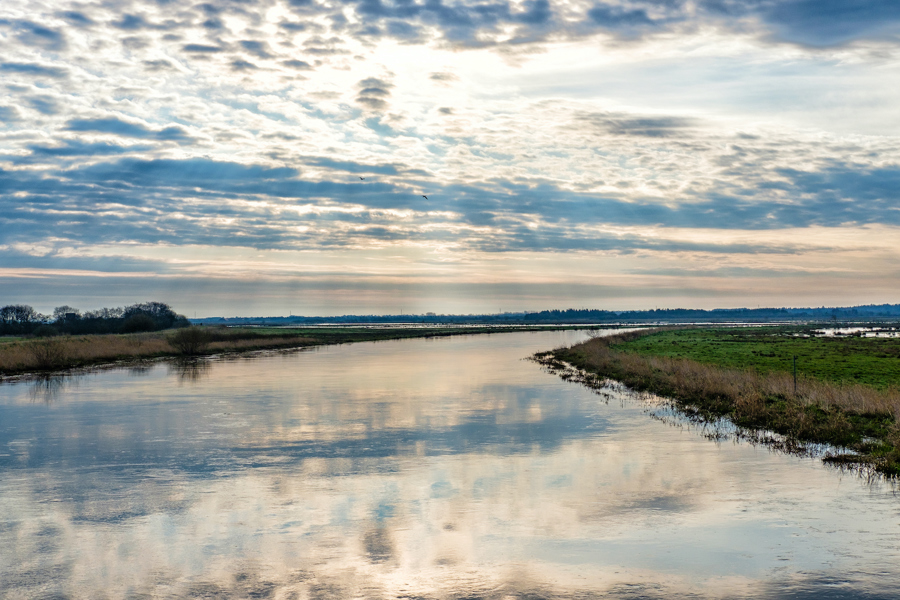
859, 418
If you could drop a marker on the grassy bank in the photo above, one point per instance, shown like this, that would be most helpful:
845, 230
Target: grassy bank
36, 355
744, 375
848, 359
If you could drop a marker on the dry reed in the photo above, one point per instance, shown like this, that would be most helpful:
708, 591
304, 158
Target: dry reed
27, 355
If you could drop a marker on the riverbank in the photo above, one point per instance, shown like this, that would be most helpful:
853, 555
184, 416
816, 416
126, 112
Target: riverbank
846, 392
22, 356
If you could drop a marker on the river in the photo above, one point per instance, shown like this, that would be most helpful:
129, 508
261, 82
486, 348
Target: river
425, 468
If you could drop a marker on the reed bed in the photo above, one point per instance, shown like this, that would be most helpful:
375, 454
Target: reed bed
859, 418
54, 353
31, 355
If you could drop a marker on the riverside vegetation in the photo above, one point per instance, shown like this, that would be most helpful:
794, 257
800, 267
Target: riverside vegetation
846, 392
20, 355
23, 355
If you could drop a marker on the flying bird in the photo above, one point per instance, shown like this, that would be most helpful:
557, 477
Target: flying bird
363, 178
424, 196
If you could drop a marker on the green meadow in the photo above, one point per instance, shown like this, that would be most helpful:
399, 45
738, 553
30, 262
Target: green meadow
850, 359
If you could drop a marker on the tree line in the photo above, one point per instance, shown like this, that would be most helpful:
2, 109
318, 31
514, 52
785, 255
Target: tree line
21, 319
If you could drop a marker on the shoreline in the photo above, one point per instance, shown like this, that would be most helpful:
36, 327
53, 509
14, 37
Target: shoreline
84, 353
859, 422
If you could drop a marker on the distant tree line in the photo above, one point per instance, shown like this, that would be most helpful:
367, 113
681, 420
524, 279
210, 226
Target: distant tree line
21, 319
590, 316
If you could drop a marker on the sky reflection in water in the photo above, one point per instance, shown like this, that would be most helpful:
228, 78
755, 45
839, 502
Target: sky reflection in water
424, 468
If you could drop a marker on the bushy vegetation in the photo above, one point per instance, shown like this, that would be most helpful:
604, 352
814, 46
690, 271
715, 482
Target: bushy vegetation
190, 340
855, 416
49, 354
21, 319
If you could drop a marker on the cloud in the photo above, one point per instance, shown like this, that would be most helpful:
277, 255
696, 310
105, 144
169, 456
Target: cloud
519, 166
216, 175
202, 49
136, 42
224, 203
78, 148
401, 30
46, 105
258, 49
117, 126
9, 115
160, 64
293, 26
79, 19
832, 22
300, 65
242, 65
537, 12
132, 23
35, 34
633, 125
443, 76
354, 167
618, 18
320, 46
33, 69
473, 23
213, 23
374, 92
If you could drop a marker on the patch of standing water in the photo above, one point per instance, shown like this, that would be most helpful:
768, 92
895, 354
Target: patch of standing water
880, 332
440, 468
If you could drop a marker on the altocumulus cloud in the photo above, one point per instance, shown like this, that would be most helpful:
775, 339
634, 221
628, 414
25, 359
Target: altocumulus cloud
264, 206
116, 126
33, 69
300, 125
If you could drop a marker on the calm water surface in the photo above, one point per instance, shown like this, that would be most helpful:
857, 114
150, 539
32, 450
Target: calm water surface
446, 468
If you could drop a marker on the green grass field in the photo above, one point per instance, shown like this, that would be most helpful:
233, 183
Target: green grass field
870, 361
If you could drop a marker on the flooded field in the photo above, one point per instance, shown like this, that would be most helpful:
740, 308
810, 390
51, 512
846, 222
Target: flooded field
428, 468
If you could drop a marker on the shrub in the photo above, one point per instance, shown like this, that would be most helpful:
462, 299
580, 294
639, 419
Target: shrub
48, 354
190, 340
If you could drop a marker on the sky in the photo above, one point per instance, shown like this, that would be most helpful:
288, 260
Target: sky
327, 157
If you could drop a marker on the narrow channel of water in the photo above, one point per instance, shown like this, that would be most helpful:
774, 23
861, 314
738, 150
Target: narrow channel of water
430, 468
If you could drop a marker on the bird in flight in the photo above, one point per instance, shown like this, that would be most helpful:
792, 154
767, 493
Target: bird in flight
363, 178
424, 196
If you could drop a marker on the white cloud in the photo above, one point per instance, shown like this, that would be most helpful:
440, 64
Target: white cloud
536, 146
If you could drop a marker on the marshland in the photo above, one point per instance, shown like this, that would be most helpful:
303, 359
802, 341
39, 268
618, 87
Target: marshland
800, 383
439, 467
68, 338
